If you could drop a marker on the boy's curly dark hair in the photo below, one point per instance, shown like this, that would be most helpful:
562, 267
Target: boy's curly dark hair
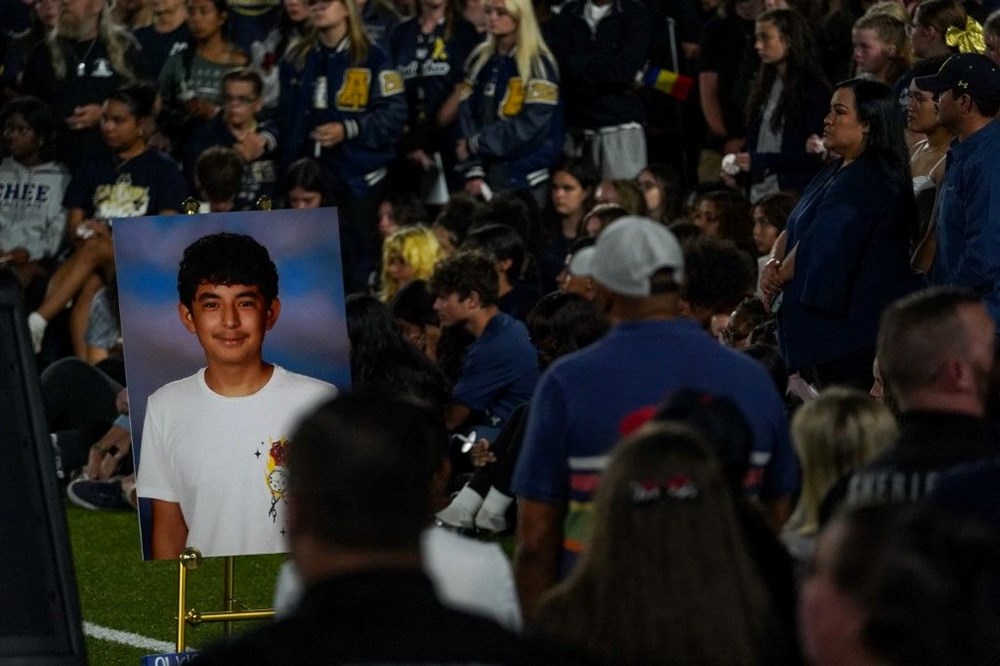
227, 259
464, 273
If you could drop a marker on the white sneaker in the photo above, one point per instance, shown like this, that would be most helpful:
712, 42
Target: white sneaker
492, 515
37, 325
461, 512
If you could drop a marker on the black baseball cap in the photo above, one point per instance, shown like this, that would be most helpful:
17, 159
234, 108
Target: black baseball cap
969, 73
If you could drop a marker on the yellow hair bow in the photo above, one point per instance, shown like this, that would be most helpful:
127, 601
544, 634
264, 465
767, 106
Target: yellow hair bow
970, 40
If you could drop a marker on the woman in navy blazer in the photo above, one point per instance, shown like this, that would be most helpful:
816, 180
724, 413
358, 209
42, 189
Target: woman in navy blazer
849, 238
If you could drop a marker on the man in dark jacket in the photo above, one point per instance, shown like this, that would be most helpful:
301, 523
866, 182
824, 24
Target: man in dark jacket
935, 350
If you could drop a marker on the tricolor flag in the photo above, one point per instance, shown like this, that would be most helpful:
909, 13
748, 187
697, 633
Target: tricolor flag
676, 85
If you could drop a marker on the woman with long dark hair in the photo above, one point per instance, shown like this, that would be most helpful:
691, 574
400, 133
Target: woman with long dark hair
574, 183
786, 106
844, 254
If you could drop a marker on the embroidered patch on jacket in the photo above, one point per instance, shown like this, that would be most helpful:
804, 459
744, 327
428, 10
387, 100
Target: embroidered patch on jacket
541, 91
390, 82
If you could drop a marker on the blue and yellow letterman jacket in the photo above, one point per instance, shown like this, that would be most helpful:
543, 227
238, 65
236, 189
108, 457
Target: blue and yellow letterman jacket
367, 98
514, 129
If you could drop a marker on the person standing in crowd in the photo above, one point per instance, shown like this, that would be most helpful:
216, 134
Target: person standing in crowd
638, 269
967, 88
168, 34
16, 49
511, 114
430, 51
601, 46
933, 27
845, 253
790, 96
991, 30
881, 46
935, 353
728, 63
344, 105
191, 79
85, 59
927, 155
379, 18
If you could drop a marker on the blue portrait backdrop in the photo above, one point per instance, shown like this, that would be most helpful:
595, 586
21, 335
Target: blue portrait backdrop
309, 338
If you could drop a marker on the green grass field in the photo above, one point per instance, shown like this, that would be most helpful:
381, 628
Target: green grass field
119, 591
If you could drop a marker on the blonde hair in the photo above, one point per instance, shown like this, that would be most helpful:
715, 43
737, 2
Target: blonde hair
359, 44
836, 434
418, 247
114, 36
531, 52
889, 21
889, 8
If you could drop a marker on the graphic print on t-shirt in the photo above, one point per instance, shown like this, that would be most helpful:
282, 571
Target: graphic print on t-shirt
276, 478
120, 199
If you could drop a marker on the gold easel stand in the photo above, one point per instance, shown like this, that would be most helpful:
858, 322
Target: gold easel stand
190, 559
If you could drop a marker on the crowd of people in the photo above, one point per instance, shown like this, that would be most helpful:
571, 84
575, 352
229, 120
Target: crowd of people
698, 300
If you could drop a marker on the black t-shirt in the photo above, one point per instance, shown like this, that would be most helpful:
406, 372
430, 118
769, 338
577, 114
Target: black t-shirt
144, 185
727, 49
89, 79
158, 46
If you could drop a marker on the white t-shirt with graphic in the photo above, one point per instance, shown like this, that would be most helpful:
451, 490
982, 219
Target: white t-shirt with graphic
224, 459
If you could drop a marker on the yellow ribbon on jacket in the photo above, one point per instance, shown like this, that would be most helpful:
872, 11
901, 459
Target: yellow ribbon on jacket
970, 40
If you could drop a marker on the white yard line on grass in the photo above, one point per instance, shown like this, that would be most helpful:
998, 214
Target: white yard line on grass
126, 638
